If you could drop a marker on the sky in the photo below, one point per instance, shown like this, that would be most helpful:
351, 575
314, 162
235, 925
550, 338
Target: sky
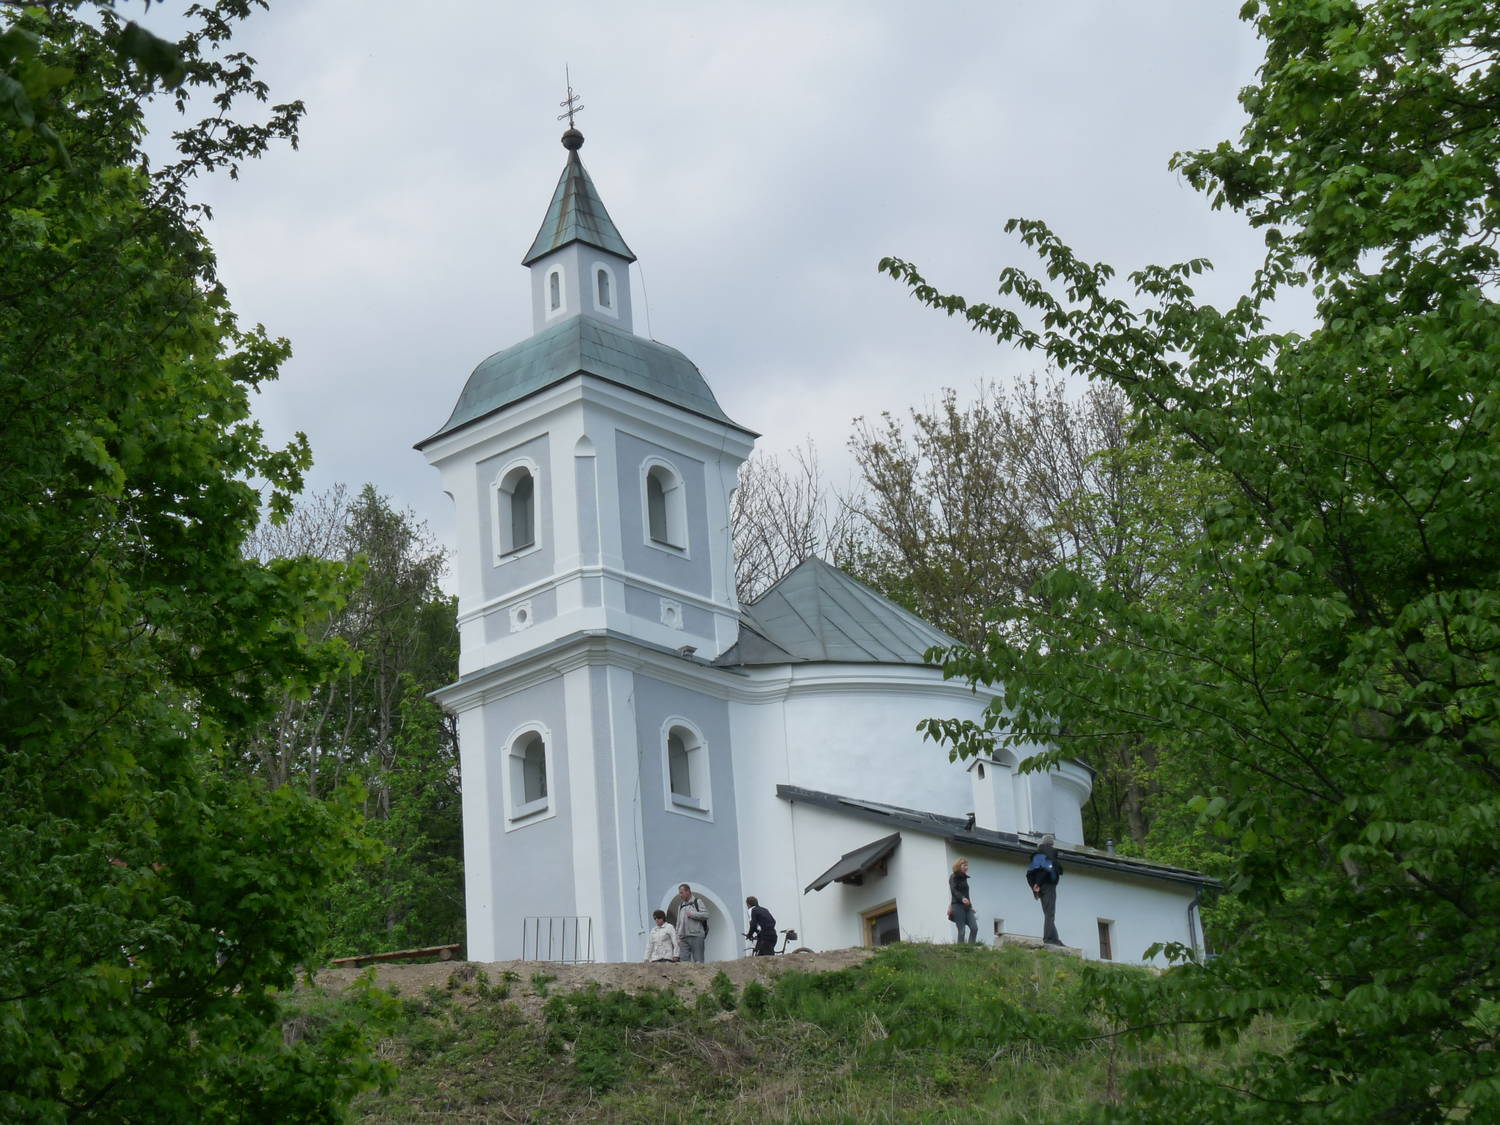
759, 158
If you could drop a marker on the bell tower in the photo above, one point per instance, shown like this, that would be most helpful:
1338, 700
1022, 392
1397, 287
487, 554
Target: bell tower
591, 470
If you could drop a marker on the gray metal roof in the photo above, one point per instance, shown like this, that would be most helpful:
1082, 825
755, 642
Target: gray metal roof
576, 214
852, 866
817, 613
588, 346
952, 828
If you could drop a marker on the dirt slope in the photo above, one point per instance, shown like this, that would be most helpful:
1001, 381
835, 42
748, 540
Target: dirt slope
686, 979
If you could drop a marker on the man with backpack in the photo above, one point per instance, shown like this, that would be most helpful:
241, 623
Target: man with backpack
690, 916
1042, 874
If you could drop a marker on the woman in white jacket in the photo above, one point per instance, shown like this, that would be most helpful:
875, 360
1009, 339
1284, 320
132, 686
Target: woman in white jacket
661, 939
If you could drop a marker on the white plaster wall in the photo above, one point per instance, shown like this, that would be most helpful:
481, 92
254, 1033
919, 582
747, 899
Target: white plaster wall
831, 916
1071, 786
771, 865
478, 784
1143, 911
852, 730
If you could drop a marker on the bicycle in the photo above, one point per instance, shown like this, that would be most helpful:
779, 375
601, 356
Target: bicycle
787, 937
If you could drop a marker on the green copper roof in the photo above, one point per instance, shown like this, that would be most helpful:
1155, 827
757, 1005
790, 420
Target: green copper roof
817, 613
587, 346
576, 215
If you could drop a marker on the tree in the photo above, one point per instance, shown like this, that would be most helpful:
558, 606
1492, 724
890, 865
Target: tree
946, 525
151, 909
781, 516
371, 730
972, 506
967, 511
1338, 673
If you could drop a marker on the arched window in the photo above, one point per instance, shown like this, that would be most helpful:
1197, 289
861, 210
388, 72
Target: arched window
523, 512
666, 516
528, 775
554, 290
515, 510
656, 506
603, 280
679, 774
533, 756
686, 768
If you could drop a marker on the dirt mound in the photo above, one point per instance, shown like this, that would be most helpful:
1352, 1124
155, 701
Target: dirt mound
524, 978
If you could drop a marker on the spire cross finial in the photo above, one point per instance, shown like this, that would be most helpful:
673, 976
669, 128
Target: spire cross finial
570, 103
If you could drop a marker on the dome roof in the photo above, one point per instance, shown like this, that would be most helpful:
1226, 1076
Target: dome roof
582, 346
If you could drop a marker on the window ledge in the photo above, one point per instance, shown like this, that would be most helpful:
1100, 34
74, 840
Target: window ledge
530, 809
504, 557
669, 548
684, 802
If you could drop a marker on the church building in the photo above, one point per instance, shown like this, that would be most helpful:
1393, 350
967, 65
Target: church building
625, 725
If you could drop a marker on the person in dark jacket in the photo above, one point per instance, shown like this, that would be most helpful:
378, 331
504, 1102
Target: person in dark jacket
762, 928
960, 909
1043, 874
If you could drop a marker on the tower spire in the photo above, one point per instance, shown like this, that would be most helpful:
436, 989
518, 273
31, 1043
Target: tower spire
577, 213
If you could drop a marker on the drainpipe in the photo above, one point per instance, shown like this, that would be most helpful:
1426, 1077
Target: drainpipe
1192, 910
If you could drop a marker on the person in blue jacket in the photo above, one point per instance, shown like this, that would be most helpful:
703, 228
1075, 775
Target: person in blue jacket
1042, 873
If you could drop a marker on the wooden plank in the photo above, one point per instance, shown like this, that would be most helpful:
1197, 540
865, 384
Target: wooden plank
441, 952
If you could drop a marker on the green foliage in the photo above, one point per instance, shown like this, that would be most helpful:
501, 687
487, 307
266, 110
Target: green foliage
152, 911
821, 1048
1336, 675
968, 1014
371, 730
34, 82
964, 507
755, 1001
722, 990
599, 1024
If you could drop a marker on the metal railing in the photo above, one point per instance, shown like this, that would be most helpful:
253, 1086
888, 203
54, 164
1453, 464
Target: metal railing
563, 939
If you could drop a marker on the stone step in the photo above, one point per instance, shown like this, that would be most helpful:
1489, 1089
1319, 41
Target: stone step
1026, 941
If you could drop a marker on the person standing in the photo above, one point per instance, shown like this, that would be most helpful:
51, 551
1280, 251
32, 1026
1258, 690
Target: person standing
661, 939
960, 909
690, 918
1042, 874
762, 928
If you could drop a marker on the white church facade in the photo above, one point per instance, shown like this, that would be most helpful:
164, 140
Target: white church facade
626, 726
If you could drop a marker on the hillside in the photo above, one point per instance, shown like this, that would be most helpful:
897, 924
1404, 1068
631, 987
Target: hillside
913, 1033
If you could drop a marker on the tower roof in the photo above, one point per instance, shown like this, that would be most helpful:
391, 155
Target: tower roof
583, 345
576, 213
817, 613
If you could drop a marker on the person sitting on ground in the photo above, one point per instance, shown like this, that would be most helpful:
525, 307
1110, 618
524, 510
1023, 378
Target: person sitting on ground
762, 928
661, 939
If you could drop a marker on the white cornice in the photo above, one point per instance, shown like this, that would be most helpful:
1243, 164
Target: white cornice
581, 650
631, 578
674, 423
758, 685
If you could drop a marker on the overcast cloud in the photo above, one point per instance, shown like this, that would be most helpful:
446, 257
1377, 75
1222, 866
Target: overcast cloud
759, 158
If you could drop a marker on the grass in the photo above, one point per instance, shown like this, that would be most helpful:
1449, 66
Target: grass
916, 1034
